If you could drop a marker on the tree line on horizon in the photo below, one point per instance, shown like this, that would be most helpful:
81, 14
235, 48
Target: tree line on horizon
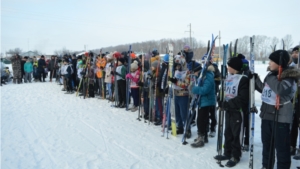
263, 46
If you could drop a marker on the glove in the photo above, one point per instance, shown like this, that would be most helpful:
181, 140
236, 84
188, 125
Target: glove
223, 105
173, 80
140, 84
251, 75
82, 73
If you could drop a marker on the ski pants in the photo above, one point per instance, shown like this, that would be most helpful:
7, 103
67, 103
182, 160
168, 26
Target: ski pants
146, 102
202, 120
282, 143
212, 118
233, 133
135, 93
159, 108
122, 91
27, 77
181, 110
294, 131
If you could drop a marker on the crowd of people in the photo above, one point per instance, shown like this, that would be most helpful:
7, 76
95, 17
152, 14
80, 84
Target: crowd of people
106, 75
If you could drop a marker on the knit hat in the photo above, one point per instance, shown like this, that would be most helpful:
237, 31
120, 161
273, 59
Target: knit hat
236, 63
154, 64
66, 60
186, 47
275, 56
116, 54
166, 58
245, 62
296, 48
132, 55
134, 66
192, 66
122, 60
155, 52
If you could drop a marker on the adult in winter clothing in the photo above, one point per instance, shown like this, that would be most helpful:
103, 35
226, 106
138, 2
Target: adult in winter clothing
100, 73
41, 68
52, 67
207, 100
16, 66
155, 92
236, 97
23, 61
188, 52
28, 69
296, 119
120, 77
181, 81
285, 89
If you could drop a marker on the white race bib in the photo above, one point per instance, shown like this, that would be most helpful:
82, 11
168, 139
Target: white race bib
231, 85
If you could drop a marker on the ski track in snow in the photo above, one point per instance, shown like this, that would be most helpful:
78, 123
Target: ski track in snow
41, 127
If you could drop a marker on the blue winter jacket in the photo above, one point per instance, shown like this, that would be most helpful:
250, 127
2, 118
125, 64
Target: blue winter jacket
206, 90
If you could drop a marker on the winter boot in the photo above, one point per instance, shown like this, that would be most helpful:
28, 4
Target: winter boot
221, 157
158, 122
188, 133
134, 108
179, 130
199, 142
205, 139
232, 162
212, 134
245, 148
293, 151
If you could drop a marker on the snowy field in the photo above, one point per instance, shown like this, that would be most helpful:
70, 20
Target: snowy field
43, 128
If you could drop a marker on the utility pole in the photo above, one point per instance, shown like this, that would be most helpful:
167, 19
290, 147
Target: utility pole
190, 25
219, 46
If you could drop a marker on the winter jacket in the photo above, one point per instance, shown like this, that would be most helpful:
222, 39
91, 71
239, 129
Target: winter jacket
207, 89
28, 68
163, 77
189, 55
100, 64
134, 78
121, 72
242, 98
108, 70
285, 88
51, 64
41, 65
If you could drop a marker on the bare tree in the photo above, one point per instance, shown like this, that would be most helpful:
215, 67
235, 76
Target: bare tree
14, 51
288, 41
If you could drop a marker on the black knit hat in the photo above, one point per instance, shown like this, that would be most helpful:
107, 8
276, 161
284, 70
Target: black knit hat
276, 55
296, 48
122, 60
236, 63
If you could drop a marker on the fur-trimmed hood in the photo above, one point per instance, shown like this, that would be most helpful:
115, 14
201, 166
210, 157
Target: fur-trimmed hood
211, 68
290, 72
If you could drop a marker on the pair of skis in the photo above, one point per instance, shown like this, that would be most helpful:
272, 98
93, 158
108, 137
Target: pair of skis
195, 99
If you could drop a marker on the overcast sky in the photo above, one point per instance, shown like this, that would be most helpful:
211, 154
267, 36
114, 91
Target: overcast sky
49, 25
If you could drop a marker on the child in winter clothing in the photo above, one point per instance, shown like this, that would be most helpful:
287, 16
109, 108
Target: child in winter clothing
285, 89
181, 81
108, 75
236, 97
120, 77
134, 77
66, 72
28, 69
207, 99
